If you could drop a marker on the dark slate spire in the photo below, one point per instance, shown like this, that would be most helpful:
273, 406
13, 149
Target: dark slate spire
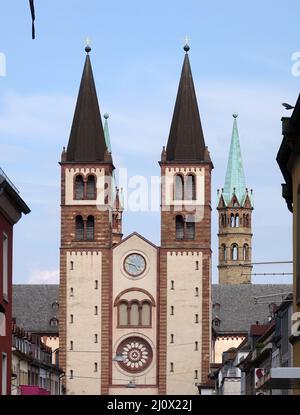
186, 140
87, 141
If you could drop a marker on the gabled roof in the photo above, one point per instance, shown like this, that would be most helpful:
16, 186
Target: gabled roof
139, 236
186, 141
87, 140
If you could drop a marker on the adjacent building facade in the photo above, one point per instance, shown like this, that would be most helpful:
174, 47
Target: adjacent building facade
288, 158
11, 209
135, 317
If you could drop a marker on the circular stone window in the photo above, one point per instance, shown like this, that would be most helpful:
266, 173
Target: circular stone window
137, 354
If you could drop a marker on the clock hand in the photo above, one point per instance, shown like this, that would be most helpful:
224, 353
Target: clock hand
131, 263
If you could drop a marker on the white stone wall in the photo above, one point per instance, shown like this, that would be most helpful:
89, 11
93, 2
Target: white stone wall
223, 343
69, 185
170, 173
147, 282
181, 268
86, 269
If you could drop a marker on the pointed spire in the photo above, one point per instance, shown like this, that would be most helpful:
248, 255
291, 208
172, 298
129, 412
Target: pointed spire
87, 141
235, 178
186, 140
106, 132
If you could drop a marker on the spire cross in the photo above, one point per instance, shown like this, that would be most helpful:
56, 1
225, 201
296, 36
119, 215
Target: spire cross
88, 41
187, 40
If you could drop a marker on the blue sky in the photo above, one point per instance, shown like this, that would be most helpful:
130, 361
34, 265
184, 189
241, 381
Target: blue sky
241, 62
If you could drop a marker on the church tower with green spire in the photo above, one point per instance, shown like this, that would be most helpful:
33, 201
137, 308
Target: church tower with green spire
235, 206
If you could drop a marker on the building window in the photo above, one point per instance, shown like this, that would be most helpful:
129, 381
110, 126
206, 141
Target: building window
246, 252
196, 292
79, 187
79, 232
196, 374
171, 367
55, 306
134, 314
71, 345
196, 318
190, 227
71, 265
172, 338
4, 374
2, 322
5, 267
95, 367
96, 338
179, 227
196, 346
90, 228
172, 285
146, 314
237, 221
71, 318
190, 188
234, 252
96, 310
91, 188
71, 292
232, 220
71, 374
172, 310
96, 284
197, 265
123, 314
178, 187
223, 253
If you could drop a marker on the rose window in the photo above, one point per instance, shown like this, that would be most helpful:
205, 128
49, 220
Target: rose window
137, 354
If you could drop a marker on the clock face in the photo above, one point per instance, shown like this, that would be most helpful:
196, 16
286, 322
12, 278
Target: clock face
137, 354
135, 264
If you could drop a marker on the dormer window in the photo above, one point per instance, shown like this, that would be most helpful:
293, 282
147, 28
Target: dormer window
53, 322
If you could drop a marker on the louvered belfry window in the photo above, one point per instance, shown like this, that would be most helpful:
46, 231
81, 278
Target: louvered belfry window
90, 228
179, 227
190, 188
178, 187
79, 188
79, 231
190, 227
91, 188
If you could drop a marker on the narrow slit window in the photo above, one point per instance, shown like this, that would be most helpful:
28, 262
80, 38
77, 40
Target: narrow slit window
96, 338
196, 292
96, 284
79, 231
172, 285
95, 367
79, 188
71, 345
171, 367
71, 318
71, 292
172, 338
71, 374
96, 310
71, 265
196, 318
196, 374
197, 265
196, 346
172, 310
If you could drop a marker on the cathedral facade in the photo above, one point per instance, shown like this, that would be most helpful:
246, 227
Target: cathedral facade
135, 317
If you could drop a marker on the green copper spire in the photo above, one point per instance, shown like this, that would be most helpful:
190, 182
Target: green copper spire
235, 178
106, 132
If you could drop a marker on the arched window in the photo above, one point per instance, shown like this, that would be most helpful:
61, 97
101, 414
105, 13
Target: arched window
247, 221
234, 252
223, 252
91, 188
123, 314
190, 227
79, 187
90, 228
179, 227
232, 220
178, 193
146, 314
79, 234
190, 188
246, 252
134, 314
237, 221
